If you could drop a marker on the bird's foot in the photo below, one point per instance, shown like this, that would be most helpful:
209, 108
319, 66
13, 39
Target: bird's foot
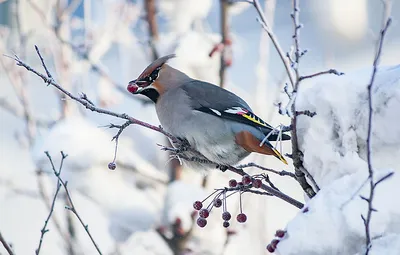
181, 145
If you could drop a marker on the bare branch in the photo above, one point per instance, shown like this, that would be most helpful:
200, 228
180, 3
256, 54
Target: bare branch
264, 23
6, 245
330, 71
387, 21
44, 230
306, 113
281, 173
72, 207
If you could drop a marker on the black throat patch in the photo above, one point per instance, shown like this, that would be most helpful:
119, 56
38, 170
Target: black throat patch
151, 93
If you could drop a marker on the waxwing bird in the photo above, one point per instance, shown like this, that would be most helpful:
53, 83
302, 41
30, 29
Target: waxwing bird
217, 123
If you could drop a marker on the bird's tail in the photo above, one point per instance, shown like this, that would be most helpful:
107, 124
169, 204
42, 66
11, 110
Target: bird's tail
279, 156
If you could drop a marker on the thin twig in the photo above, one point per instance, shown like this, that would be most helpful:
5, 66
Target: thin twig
281, 173
267, 28
330, 71
44, 230
367, 220
6, 245
72, 206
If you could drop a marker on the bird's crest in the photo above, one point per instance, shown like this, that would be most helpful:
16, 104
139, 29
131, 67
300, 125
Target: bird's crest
158, 63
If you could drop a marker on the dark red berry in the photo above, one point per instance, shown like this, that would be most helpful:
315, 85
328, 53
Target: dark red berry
246, 180
240, 184
225, 224
197, 205
241, 217
274, 243
201, 222
232, 183
226, 216
270, 248
280, 233
217, 202
204, 213
112, 166
257, 183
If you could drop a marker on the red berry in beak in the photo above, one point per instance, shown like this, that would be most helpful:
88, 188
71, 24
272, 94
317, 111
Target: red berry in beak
132, 87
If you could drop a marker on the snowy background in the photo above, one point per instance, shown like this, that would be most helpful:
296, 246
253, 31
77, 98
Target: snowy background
124, 208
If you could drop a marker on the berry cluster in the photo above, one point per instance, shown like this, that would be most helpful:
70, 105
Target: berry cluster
219, 199
272, 246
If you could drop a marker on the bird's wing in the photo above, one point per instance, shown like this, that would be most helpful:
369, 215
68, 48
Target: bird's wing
211, 99
249, 128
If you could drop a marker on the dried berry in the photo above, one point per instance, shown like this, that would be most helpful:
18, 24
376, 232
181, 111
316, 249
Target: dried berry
270, 248
241, 217
217, 202
201, 222
197, 205
204, 213
257, 183
112, 166
274, 243
225, 224
246, 180
226, 216
280, 233
232, 183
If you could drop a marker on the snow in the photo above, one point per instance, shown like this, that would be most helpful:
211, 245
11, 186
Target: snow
181, 14
335, 154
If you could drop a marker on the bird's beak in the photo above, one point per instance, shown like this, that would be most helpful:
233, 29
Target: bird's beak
134, 88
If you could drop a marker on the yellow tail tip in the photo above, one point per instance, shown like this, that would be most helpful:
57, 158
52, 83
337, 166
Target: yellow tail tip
279, 156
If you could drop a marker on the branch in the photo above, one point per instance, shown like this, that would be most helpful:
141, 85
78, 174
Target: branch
367, 220
330, 71
72, 207
281, 173
6, 245
267, 28
44, 230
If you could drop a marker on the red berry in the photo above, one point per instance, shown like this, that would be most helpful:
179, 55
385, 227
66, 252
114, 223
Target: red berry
232, 183
280, 233
225, 224
246, 180
197, 205
257, 183
112, 166
240, 184
270, 248
201, 222
226, 216
204, 213
274, 243
241, 217
217, 202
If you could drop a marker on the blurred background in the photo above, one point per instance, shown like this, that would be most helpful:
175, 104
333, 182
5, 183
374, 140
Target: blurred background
97, 47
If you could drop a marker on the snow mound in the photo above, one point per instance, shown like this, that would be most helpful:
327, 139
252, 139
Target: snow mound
334, 141
334, 146
333, 224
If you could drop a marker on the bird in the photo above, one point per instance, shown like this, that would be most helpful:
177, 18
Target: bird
213, 121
